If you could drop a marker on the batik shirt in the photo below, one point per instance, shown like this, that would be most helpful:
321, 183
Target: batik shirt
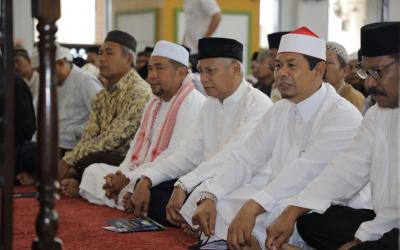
115, 117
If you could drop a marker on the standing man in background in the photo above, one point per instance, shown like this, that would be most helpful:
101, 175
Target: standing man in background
202, 18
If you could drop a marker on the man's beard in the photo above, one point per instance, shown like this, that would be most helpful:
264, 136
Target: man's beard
157, 92
285, 96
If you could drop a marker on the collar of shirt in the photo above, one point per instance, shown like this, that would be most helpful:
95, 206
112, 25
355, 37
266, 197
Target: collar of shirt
122, 83
70, 76
309, 106
235, 97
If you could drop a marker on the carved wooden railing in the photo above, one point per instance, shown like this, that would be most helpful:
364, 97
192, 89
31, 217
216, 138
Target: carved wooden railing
47, 12
6, 124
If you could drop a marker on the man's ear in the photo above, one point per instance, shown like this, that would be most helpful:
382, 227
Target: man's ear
320, 68
131, 60
59, 63
346, 69
236, 68
182, 72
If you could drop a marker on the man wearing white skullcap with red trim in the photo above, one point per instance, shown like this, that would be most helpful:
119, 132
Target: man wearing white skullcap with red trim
292, 143
165, 121
373, 157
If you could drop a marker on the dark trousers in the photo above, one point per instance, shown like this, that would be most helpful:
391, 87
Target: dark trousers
62, 152
26, 157
160, 195
337, 226
97, 157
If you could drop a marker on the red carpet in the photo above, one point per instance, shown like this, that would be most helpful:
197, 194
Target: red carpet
80, 227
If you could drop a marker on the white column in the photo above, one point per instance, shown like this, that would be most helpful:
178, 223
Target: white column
394, 10
310, 13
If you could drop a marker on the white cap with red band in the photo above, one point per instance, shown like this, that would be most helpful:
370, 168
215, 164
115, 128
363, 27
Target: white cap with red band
303, 41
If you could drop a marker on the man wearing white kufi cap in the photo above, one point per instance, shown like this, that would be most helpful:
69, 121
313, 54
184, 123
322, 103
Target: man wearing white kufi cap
165, 120
351, 77
291, 144
336, 69
75, 92
373, 157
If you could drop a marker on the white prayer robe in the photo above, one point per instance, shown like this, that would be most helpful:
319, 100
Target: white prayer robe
74, 104
219, 128
289, 147
374, 158
91, 187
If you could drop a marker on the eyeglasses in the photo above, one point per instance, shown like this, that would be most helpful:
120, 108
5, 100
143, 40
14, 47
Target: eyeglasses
375, 73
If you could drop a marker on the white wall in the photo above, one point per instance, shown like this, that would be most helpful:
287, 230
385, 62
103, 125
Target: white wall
23, 23
320, 17
394, 10
310, 13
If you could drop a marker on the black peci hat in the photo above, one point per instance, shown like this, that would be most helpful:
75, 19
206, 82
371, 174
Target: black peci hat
122, 38
379, 39
275, 38
213, 47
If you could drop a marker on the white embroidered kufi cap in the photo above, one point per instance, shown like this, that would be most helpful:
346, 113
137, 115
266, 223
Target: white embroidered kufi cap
303, 41
172, 51
62, 52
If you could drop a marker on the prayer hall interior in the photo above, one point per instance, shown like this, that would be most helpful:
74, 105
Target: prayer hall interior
34, 211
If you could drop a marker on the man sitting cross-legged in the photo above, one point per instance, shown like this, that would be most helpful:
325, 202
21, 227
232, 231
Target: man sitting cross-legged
166, 119
115, 116
373, 157
291, 144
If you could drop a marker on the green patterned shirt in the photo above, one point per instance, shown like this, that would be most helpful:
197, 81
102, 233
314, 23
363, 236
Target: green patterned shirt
115, 117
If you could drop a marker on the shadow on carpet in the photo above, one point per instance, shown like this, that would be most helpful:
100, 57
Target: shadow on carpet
80, 227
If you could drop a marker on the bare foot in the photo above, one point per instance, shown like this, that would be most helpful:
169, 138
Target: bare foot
114, 183
70, 187
126, 201
25, 179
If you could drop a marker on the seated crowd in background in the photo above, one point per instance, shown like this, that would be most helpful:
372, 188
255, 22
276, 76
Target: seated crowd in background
285, 159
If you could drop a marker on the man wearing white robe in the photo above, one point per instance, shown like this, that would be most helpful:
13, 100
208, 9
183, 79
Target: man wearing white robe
167, 79
373, 157
227, 118
291, 144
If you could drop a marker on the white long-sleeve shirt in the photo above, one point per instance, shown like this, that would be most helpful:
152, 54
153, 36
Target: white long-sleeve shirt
74, 103
291, 144
374, 158
219, 128
289, 147
185, 119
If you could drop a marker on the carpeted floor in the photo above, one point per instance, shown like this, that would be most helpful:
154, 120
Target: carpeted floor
80, 227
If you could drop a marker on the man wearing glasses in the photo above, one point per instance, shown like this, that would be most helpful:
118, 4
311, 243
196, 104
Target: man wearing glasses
374, 157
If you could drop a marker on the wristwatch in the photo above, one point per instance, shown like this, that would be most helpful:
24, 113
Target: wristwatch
179, 184
206, 195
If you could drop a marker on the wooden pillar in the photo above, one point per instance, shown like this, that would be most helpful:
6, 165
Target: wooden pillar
47, 12
7, 90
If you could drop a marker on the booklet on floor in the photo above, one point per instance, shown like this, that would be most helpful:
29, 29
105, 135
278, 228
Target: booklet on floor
133, 225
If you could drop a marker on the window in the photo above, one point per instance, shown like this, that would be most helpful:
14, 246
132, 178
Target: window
77, 23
